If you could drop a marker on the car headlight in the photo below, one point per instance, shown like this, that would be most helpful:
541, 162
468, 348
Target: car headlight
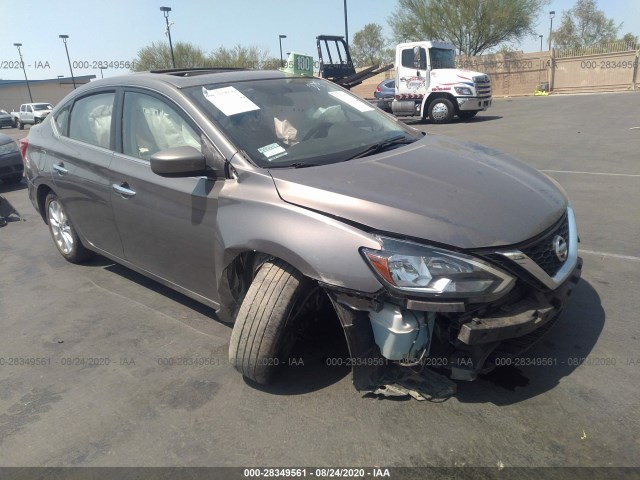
420, 269
463, 90
8, 148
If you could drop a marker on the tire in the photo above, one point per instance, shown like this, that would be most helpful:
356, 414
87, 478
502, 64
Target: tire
62, 232
264, 329
37, 120
13, 179
441, 110
20, 125
467, 114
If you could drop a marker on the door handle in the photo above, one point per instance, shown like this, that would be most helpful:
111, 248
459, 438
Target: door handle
59, 167
124, 190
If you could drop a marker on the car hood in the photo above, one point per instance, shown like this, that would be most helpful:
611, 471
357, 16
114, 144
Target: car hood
437, 189
454, 76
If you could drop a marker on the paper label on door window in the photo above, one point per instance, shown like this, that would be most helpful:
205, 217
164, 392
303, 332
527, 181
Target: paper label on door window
354, 102
229, 100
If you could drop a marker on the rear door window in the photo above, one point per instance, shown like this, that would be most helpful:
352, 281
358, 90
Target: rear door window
90, 119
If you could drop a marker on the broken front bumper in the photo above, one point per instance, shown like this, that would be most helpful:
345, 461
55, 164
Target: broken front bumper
507, 329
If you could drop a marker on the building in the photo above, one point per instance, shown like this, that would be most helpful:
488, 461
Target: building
14, 93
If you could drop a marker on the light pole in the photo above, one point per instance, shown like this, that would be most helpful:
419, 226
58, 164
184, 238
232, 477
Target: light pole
166, 11
18, 45
552, 14
64, 39
346, 27
540, 42
101, 69
280, 37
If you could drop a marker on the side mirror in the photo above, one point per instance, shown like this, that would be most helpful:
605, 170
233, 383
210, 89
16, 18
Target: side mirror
179, 162
417, 57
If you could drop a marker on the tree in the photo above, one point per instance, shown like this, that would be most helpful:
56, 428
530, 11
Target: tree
473, 26
368, 46
584, 26
242, 57
157, 56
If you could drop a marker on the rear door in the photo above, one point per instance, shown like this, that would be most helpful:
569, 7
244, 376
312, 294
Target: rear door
167, 225
79, 164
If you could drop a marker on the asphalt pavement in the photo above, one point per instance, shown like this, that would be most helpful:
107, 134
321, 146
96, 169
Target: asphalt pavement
102, 367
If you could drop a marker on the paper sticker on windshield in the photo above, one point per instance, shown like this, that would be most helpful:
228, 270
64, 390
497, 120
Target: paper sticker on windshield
354, 102
272, 151
229, 100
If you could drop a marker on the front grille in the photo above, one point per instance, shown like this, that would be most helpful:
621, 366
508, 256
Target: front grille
542, 251
483, 89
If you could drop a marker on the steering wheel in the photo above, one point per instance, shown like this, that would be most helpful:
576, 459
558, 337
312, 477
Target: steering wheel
319, 130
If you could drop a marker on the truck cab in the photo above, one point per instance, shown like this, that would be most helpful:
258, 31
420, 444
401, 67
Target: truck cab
429, 85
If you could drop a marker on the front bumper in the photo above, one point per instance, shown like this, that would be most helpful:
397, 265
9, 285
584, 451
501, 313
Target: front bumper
473, 103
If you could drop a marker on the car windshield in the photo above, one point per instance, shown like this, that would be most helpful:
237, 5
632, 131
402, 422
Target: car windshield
442, 58
298, 121
42, 106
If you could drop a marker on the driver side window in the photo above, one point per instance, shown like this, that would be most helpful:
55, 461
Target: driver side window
150, 125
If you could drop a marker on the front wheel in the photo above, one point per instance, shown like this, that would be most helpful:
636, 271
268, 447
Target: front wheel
36, 121
441, 110
20, 125
467, 114
63, 233
263, 332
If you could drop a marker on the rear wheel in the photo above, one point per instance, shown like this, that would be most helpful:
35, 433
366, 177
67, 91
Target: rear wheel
63, 233
467, 114
264, 329
441, 110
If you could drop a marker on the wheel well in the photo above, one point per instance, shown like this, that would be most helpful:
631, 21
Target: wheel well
41, 197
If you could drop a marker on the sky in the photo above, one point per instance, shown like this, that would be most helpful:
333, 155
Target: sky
115, 30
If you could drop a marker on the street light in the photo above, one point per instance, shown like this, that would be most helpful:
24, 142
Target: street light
280, 37
166, 11
18, 45
64, 39
552, 14
346, 27
540, 41
101, 69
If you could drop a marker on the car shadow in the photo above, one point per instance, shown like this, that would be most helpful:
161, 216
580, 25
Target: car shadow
477, 119
571, 339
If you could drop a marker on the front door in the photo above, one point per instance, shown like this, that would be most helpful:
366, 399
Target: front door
167, 225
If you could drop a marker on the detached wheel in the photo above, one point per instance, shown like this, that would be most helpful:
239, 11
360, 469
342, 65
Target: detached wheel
467, 114
63, 233
264, 330
441, 110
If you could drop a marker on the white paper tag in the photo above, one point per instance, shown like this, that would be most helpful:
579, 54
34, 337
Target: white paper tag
229, 100
354, 102
272, 150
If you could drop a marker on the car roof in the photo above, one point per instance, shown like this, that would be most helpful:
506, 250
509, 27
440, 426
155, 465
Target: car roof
183, 78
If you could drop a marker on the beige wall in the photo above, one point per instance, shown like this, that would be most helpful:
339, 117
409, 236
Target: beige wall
11, 97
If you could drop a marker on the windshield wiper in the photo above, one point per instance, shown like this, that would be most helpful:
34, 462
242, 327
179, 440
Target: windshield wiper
379, 147
296, 165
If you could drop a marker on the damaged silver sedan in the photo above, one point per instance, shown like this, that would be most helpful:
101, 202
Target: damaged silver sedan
266, 195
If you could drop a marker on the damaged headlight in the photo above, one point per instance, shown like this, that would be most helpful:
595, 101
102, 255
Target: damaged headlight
420, 269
